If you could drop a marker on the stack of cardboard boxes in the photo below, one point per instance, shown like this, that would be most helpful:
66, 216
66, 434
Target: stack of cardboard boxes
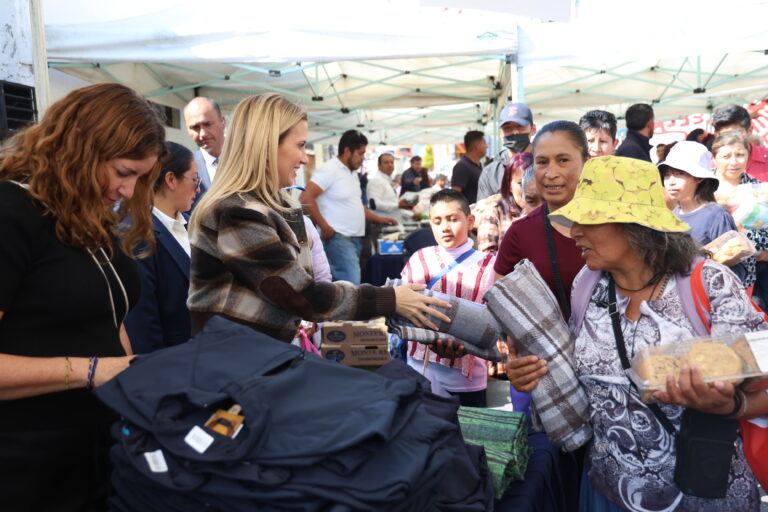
356, 343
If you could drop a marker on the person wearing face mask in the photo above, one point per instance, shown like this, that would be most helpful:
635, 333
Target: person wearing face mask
517, 129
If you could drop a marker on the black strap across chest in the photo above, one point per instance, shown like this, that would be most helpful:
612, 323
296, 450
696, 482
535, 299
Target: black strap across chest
562, 297
622, 349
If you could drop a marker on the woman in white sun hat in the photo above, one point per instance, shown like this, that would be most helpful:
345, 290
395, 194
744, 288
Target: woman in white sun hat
691, 182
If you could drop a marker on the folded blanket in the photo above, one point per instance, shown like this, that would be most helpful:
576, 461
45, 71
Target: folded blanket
504, 435
407, 331
471, 324
524, 306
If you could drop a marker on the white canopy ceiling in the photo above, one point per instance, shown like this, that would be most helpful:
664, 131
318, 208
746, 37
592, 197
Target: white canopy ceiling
408, 71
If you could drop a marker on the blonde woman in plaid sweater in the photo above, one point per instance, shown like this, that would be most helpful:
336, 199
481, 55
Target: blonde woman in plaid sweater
250, 254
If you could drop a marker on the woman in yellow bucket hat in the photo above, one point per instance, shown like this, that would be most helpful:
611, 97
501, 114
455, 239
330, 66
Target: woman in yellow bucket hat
619, 220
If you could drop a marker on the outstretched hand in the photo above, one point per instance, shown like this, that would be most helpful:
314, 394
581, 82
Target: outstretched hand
415, 307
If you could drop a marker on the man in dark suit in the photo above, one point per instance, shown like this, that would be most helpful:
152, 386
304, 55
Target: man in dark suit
639, 119
205, 124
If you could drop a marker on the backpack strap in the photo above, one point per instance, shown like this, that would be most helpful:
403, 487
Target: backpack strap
580, 297
695, 299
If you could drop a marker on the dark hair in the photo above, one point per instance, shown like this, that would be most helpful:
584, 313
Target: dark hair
694, 135
667, 149
519, 162
571, 129
728, 138
383, 155
353, 140
663, 252
638, 115
417, 157
599, 120
662, 146
705, 191
731, 114
471, 137
449, 195
178, 160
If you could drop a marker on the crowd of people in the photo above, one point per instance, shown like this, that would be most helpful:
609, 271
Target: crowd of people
118, 242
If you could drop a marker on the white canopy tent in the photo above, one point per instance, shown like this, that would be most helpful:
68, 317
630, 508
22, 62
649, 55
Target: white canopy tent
406, 71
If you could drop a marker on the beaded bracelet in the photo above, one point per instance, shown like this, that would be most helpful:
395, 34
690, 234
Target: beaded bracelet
93, 362
67, 371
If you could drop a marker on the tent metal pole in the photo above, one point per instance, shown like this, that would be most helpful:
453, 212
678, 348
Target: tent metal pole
178, 88
40, 57
163, 81
495, 147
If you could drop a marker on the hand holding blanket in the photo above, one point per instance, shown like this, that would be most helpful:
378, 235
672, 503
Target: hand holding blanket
524, 306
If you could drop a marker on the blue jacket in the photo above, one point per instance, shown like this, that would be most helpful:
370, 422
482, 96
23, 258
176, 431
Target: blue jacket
161, 319
374, 449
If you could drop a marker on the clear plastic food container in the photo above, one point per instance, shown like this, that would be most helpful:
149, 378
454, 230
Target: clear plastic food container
731, 248
730, 358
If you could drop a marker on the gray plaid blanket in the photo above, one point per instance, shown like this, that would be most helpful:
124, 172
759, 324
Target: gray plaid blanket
471, 325
528, 312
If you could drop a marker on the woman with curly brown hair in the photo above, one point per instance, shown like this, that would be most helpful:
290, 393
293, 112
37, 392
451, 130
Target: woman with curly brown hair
66, 283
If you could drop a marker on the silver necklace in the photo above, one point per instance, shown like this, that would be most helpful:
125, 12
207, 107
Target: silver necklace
109, 287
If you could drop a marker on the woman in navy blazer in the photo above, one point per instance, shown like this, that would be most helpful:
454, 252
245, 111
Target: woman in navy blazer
161, 318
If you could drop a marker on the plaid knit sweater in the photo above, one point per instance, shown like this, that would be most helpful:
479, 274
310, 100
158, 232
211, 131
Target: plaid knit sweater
247, 266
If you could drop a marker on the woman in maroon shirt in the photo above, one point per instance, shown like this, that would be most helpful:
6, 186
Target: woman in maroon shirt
559, 152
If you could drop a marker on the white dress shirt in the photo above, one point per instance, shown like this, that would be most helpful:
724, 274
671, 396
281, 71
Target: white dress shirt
381, 190
176, 227
211, 163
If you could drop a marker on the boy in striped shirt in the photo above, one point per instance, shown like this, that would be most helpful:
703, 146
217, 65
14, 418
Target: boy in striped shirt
453, 267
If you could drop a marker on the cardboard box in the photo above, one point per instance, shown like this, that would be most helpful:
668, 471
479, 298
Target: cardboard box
388, 247
356, 343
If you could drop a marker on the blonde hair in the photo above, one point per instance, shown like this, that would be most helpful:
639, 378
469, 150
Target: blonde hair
248, 162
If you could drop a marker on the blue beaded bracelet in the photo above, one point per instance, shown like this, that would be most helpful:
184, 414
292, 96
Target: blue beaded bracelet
93, 362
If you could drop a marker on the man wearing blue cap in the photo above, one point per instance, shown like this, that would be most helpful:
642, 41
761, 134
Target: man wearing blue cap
517, 129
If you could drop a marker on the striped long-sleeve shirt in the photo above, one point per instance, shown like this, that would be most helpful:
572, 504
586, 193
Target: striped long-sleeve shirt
469, 280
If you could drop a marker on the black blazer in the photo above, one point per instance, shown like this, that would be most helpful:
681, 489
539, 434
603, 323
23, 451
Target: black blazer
161, 319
